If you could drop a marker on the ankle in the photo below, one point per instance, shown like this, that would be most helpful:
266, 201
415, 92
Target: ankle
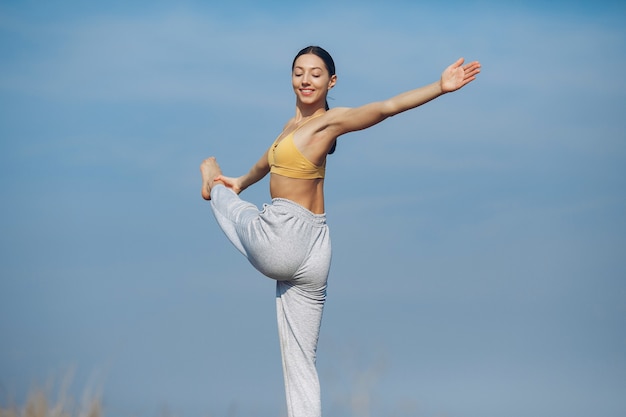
217, 182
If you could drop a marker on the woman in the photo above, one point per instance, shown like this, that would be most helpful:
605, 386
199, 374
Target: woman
288, 240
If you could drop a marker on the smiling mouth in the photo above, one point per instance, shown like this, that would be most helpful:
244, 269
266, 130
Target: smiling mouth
306, 91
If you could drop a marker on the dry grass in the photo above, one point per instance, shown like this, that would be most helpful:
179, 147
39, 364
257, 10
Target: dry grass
38, 405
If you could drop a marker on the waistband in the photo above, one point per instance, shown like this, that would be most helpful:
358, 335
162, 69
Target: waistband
303, 212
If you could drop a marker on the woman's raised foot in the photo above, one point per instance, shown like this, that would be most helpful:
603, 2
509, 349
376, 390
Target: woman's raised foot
209, 170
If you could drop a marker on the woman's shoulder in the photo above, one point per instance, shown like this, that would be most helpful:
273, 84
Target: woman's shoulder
336, 113
336, 116
337, 110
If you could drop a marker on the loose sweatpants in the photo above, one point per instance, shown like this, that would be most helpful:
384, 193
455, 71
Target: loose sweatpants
290, 244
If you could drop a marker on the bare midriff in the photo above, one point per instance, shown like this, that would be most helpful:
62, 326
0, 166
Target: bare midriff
307, 193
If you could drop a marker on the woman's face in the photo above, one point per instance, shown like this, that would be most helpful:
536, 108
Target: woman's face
311, 80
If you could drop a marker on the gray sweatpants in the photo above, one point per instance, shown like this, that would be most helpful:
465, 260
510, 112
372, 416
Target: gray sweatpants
290, 244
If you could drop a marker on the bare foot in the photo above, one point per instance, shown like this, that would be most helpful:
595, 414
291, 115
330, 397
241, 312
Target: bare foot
209, 169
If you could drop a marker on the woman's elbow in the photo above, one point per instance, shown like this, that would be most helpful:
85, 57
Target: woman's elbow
388, 108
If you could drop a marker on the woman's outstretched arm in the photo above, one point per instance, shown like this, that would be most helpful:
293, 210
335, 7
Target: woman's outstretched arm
256, 173
344, 120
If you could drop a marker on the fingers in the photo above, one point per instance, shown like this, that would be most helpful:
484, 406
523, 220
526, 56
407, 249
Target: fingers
471, 69
458, 62
472, 66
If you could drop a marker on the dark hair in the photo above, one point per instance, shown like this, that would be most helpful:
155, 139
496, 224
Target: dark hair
330, 66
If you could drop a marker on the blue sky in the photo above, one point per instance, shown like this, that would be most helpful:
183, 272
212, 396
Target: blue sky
479, 241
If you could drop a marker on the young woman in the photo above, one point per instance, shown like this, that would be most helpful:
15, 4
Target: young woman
288, 240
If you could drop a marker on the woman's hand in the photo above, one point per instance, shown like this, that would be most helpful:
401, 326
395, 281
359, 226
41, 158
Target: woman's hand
232, 183
457, 75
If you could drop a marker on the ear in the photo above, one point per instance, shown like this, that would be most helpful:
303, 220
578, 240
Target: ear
332, 82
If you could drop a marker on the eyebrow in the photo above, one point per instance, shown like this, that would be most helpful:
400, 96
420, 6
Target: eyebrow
302, 68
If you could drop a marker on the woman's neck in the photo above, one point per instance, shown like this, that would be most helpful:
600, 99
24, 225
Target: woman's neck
308, 112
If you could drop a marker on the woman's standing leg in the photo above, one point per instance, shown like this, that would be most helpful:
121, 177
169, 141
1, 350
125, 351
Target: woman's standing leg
299, 320
299, 307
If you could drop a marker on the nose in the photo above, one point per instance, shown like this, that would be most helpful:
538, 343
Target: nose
306, 79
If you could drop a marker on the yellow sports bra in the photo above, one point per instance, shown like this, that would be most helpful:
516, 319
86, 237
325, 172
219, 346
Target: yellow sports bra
286, 160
